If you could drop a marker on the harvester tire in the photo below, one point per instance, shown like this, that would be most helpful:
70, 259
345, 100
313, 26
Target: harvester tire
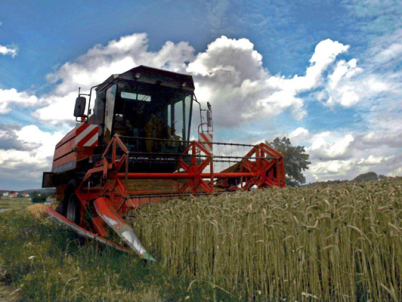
62, 208
73, 209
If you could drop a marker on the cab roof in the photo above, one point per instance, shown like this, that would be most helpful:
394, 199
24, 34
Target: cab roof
149, 75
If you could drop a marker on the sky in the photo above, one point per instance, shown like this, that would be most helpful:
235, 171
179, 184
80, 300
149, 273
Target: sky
326, 74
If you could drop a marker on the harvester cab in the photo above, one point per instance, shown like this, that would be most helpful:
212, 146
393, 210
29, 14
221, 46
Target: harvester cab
135, 148
149, 109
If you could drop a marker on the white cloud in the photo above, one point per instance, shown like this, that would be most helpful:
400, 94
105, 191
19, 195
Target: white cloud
299, 135
325, 53
219, 57
365, 83
343, 70
59, 110
386, 49
331, 170
350, 168
336, 155
390, 53
349, 84
330, 145
27, 164
341, 88
372, 160
33, 135
4, 50
231, 75
378, 138
117, 57
12, 96
8, 138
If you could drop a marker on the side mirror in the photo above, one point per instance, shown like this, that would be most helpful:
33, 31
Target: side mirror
209, 118
79, 109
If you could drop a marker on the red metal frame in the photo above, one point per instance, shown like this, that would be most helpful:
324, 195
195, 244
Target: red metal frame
266, 171
263, 169
262, 166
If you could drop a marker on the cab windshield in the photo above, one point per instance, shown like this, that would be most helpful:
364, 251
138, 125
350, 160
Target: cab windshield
149, 112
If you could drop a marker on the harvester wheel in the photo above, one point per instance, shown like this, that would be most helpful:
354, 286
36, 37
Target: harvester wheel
73, 209
62, 208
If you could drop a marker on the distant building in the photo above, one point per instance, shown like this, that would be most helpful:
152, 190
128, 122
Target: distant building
26, 195
13, 195
5, 193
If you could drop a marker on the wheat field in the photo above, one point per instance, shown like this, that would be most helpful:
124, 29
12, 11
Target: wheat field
341, 242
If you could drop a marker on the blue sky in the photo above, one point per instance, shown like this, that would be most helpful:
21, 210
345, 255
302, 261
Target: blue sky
327, 74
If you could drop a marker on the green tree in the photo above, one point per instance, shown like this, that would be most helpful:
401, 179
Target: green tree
296, 160
38, 197
366, 177
381, 177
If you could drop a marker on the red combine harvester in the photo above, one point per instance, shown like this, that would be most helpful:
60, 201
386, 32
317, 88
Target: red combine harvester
135, 148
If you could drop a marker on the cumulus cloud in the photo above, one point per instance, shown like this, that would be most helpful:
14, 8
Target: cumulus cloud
378, 139
9, 139
231, 75
299, 135
60, 109
375, 78
350, 168
349, 84
378, 87
117, 57
340, 155
8, 50
331, 170
28, 152
329, 146
12, 96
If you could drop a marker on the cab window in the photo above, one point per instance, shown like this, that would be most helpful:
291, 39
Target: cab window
135, 96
